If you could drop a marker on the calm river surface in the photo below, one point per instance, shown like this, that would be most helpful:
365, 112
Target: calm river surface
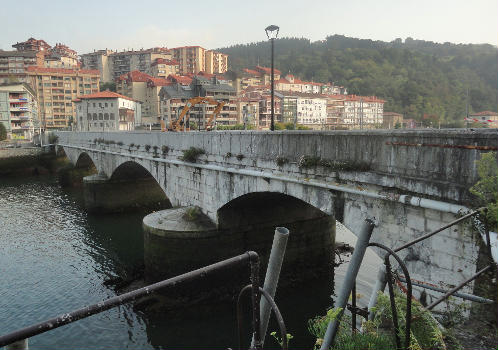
54, 258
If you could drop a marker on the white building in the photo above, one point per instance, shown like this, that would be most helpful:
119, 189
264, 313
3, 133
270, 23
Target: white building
307, 109
363, 111
107, 111
19, 110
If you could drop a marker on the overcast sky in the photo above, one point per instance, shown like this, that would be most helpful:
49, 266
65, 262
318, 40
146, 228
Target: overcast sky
97, 24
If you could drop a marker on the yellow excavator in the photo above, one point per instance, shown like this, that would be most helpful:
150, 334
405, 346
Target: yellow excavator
176, 125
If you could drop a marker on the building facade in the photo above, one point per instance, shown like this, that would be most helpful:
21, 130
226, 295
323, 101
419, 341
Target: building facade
19, 110
305, 109
56, 88
486, 118
162, 68
107, 111
391, 120
216, 62
191, 59
363, 112
14, 64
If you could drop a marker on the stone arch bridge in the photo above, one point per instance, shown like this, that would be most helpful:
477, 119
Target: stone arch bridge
412, 182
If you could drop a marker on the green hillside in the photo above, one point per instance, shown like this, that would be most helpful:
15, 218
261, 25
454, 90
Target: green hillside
415, 77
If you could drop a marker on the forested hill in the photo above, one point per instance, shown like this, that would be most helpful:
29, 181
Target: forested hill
415, 77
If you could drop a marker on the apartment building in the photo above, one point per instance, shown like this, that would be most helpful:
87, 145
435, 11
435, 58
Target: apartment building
292, 83
363, 112
304, 108
191, 59
215, 62
174, 97
152, 103
113, 64
487, 118
335, 112
258, 77
13, 65
56, 88
61, 56
18, 110
248, 111
107, 111
32, 45
162, 68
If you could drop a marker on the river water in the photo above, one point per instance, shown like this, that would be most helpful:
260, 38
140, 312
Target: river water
55, 258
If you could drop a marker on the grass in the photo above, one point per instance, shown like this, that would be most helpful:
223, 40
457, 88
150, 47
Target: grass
306, 162
191, 154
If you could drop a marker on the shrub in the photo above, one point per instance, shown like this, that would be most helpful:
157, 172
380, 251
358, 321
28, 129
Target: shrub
3, 132
240, 157
165, 149
281, 161
53, 138
147, 148
191, 154
119, 143
486, 189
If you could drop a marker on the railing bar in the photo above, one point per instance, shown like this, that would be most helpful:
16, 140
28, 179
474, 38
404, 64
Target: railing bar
460, 286
438, 230
121, 299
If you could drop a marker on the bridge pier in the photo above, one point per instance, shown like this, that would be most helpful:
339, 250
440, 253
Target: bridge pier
104, 195
182, 239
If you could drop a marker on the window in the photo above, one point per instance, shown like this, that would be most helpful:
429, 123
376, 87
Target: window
89, 116
106, 104
111, 104
94, 104
101, 116
112, 116
95, 117
106, 116
100, 104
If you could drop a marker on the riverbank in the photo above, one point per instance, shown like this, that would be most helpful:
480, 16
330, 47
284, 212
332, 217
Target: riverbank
29, 160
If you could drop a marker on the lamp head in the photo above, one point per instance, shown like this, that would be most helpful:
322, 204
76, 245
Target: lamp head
272, 31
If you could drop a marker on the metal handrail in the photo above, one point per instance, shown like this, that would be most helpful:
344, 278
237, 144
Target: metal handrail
249, 257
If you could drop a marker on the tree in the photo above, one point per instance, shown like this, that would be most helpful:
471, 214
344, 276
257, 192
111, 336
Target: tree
3, 132
108, 86
486, 189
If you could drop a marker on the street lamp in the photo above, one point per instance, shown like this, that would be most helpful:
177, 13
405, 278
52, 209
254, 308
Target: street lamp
271, 33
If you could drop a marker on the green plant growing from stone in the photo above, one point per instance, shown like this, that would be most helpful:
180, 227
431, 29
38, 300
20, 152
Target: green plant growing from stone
191, 214
164, 149
119, 143
156, 154
280, 340
228, 155
281, 161
191, 154
147, 148
486, 189
240, 157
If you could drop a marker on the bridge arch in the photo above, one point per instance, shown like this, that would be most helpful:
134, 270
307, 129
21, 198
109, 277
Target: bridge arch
84, 161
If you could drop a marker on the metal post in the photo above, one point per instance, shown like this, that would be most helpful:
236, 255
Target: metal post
272, 125
272, 275
352, 272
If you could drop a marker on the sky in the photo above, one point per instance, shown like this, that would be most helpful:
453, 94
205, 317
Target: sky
124, 24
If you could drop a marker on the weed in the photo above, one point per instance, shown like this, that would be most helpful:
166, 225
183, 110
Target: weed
119, 143
280, 340
240, 157
228, 155
281, 160
308, 162
191, 154
53, 139
165, 149
147, 148
191, 213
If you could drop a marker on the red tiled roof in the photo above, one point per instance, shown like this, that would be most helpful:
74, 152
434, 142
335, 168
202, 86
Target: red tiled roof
364, 98
282, 81
103, 94
153, 81
36, 69
267, 70
252, 72
484, 113
180, 79
134, 76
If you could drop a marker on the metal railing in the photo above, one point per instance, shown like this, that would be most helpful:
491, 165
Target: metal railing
388, 277
249, 257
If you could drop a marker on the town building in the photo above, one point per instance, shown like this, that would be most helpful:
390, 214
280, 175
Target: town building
32, 45
265, 110
191, 58
486, 118
152, 103
13, 65
162, 68
18, 110
56, 88
306, 109
215, 62
107, 111
363, 112
174, 98
61, 56
291, 83
392, 120
113, 64
258, 76
335, 112
248, 111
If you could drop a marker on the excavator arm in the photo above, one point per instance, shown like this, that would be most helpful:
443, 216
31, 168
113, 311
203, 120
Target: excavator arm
176, 124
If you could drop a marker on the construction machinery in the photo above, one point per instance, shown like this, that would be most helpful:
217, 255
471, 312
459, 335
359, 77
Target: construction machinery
181, 121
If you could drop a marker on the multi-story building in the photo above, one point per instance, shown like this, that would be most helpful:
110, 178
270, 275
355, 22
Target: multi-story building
152, 102
363, 111
265, 110
18, 110
63, 56
291, 83
162, 68
32, 45
191, 58
107, 111
487, 118
391, 120
56, 88
13, 65
174, 97
216, 62
99, 60
248, 111
113, 64
335, 112
304, 108
258, 77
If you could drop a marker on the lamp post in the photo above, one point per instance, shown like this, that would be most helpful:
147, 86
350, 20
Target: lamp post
271, 33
